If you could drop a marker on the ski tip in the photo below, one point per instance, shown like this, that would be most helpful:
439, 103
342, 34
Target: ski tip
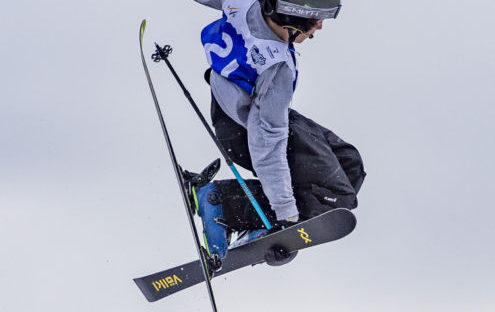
141, 33
143, 26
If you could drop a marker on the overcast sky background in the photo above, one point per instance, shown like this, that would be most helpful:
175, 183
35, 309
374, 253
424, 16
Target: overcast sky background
89, 200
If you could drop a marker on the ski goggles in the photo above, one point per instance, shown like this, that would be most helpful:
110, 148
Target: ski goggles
315, 9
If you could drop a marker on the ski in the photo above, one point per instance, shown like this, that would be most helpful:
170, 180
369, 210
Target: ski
327, 227
202, 263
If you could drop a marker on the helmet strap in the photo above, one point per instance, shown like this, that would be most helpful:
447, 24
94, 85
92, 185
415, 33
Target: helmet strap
294, 32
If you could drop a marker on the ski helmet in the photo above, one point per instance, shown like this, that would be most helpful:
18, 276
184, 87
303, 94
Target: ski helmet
300, 14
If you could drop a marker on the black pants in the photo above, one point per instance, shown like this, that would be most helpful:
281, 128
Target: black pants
326, 172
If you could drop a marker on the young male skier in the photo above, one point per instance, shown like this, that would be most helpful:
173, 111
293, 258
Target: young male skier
303, 168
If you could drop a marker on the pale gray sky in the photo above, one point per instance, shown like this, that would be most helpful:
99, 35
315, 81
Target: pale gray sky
88, 198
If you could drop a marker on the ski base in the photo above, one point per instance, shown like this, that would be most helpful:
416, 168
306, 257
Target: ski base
327, 227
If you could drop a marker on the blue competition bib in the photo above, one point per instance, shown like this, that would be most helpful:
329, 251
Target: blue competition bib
233, 52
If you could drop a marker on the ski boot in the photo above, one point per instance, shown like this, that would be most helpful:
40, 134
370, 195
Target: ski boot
206, 202
194, 181
210, 210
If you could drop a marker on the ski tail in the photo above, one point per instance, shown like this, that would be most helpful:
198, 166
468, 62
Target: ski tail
329, 226
165, 283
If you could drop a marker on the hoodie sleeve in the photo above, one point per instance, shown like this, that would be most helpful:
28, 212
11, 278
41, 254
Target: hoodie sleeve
216, 4
268, 132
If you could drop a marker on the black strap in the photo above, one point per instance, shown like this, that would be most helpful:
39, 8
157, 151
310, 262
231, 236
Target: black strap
207, 75
292, 36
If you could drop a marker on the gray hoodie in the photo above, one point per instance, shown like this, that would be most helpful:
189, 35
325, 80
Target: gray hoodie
265, 115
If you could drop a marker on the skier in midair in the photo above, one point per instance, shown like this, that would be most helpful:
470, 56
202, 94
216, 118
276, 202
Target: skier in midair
303, 168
